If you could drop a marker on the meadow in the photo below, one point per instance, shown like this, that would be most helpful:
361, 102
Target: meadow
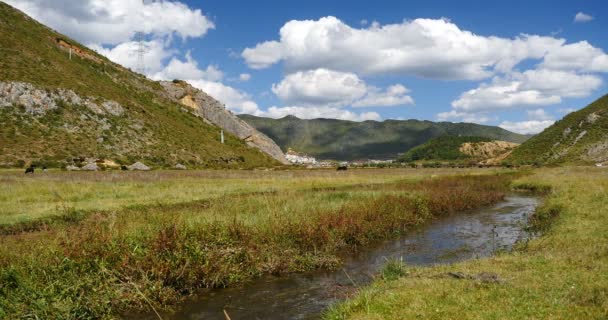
96, 245
563, 274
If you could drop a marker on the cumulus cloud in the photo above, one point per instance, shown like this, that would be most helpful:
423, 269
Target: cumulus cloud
188, 69
530, 88
328, 88
320, 112
320, 87
580, 56
527, 127
430, 48
113, 22
395, 95
582, 17
539, 114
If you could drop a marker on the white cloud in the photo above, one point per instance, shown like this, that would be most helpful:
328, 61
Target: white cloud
178, 69
395, 95
539, 114
423, 47
320, 112
244, 77
327, 88
530, 88
320, 87
527, 127
580, 56
582, 17
263, 55
116, 21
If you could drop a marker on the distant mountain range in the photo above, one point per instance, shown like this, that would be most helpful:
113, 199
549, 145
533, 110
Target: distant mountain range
579, 138
348, 140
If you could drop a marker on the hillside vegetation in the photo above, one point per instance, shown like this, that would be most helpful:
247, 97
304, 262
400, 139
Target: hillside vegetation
53, 108
445, 148
347, 140
581, 137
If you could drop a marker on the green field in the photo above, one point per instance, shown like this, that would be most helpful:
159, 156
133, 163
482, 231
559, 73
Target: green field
561, 275
95, 245
90, 245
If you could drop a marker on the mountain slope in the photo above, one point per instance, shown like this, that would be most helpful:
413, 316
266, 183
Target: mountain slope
53, 108
460, 149
580, 137
347, 140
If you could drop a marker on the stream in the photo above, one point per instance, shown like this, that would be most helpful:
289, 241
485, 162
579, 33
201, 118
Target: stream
304, 296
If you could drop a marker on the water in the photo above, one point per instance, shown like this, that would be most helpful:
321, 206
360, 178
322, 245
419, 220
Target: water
305, 296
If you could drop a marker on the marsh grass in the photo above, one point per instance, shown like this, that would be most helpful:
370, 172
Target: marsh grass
561, 275
147, 255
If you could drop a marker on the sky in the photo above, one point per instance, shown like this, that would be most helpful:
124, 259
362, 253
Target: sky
520, 65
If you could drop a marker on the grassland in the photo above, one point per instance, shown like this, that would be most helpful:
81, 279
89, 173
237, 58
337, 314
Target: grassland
104, 243
561, 275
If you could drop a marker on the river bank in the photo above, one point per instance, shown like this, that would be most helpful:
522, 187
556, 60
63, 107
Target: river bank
562, 275
150, 256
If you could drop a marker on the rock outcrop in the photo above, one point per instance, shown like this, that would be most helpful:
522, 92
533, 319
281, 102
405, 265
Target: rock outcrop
213, 111
38, 101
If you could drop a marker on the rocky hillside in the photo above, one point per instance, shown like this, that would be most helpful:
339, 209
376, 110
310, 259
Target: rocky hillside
488, 152
347, 140
54, 109
472, 150
213, 111
580, 137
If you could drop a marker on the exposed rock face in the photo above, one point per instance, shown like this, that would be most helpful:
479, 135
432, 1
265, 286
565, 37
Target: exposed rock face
212, 110
38, 101
489, 153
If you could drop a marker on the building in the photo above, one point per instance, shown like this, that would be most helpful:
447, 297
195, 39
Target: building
299, 158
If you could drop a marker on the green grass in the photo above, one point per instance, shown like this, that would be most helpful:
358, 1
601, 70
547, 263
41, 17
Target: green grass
561, 275
156, 247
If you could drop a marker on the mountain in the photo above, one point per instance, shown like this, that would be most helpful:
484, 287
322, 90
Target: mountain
460, 149
61, 101
580, 137
347, 140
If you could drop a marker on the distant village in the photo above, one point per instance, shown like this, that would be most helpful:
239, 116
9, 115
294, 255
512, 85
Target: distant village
302, 159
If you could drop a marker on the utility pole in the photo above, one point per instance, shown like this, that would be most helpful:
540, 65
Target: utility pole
222, 136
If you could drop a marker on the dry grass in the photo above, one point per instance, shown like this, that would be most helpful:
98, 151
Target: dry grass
111, 259
562, 275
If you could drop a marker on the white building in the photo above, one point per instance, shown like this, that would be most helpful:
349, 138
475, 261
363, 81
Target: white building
299, 158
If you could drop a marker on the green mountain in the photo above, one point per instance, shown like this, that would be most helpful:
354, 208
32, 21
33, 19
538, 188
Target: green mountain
60, 101
441, 148
580, 137
347, 140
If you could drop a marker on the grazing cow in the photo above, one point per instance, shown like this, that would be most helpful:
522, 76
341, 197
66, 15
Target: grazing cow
342, 168
30, 170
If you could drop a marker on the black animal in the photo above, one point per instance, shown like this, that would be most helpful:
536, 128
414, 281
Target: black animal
342, 168
30, 170
124, 168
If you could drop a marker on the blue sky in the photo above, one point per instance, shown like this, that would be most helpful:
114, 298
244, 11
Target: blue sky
518, 64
